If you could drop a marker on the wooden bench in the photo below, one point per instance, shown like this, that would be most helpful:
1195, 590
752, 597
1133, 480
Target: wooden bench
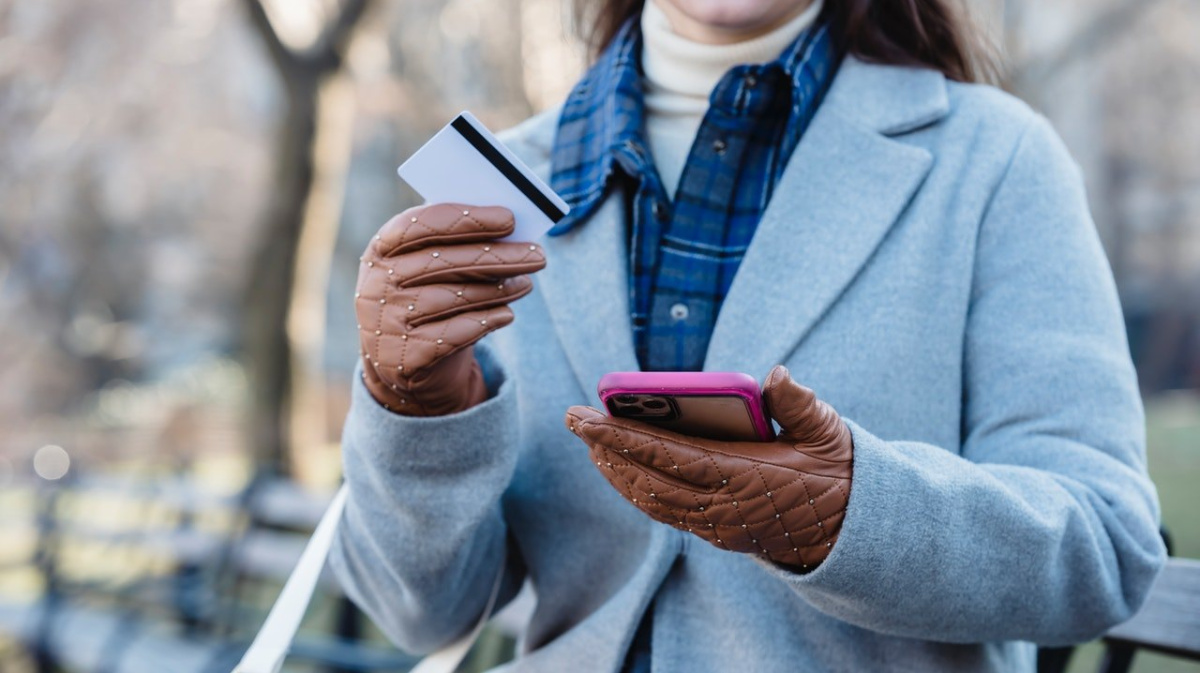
1169, 622
201, 571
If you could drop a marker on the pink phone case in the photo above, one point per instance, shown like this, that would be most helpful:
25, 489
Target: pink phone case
715, 405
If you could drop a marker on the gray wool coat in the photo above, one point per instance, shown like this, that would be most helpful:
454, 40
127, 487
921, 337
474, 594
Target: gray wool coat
927, 265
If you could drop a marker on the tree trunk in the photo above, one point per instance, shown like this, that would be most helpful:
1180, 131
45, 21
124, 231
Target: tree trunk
265, 347
308, 429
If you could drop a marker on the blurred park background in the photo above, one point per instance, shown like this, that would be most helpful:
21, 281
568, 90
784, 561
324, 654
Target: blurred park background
185, 186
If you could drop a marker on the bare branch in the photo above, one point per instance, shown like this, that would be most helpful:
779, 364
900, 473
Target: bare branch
330, 48
326, 53
285, 58
1118, 17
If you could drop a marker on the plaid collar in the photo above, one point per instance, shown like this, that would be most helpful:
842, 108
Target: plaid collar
602, 122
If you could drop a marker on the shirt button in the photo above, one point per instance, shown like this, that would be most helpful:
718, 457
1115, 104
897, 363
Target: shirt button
751, 81
679, 311
719, 146
660, 211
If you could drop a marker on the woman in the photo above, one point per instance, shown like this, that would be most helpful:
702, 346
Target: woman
753, 184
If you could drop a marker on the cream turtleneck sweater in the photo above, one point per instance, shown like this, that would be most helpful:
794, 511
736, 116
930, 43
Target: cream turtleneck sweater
680, 75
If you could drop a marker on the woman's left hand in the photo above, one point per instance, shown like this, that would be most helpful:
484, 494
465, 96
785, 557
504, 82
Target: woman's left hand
784, 499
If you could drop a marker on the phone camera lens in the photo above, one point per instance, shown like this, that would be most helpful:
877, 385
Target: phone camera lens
655, 404
627, 399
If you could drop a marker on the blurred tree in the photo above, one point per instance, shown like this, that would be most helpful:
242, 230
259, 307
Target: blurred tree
132, 154
265, 345
1030, 77
1118, 80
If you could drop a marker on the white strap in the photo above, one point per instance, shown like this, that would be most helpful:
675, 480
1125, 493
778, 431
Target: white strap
270, 646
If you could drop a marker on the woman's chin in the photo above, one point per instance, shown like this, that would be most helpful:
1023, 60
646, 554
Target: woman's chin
721, 21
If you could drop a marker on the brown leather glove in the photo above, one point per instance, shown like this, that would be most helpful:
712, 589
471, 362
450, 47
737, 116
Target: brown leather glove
433, 282
783, 499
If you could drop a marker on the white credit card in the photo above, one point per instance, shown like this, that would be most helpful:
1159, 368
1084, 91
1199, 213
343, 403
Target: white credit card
465, 163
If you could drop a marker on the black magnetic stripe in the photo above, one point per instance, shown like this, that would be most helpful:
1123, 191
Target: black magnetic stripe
507, 169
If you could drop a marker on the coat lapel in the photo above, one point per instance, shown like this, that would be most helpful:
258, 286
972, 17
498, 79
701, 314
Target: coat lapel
586, 280
847, 183
586, 286
844, 188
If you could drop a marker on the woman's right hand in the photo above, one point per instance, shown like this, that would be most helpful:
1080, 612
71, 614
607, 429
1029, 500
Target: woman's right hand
433, 281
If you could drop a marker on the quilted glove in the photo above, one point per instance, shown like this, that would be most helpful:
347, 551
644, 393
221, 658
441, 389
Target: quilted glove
432, 282
783, 500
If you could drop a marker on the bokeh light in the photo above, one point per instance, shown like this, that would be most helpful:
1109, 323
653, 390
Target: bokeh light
51, 462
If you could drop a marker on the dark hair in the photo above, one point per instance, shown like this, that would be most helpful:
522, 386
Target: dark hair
930, 33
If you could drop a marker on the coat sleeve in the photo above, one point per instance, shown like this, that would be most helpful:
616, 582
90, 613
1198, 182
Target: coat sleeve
1045, 528
423, 536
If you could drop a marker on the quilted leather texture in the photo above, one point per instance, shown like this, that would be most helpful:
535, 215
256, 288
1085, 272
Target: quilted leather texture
784, 500
432, 282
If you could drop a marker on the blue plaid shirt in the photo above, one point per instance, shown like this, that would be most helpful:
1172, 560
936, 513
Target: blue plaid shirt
684, 254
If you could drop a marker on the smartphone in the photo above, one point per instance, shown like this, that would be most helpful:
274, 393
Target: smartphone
713, 405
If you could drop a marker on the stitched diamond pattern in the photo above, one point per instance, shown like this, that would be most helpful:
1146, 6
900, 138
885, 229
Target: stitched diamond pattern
433, 282
784, 500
